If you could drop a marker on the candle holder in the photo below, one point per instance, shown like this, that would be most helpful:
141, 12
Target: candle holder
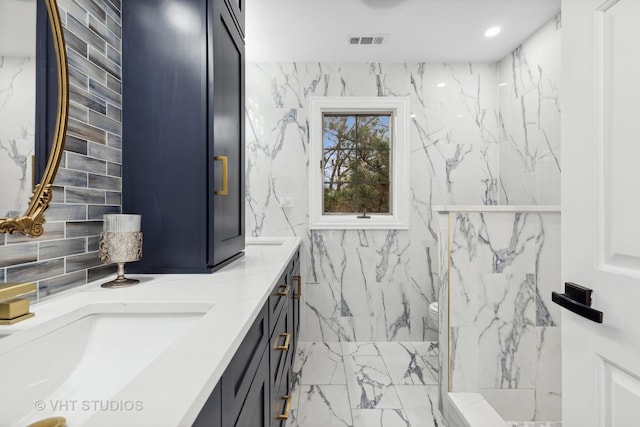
120, 242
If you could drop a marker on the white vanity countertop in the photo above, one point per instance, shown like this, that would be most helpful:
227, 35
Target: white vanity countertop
175, 386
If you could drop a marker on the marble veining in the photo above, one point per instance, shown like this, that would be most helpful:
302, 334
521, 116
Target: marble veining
503, 332
323, 405
506, 326
504, 256
387, 385
530, 119
371, 284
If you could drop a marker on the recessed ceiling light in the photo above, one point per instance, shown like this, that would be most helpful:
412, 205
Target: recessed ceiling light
492, 32
460, 116
503, 84
441, 84
413, 116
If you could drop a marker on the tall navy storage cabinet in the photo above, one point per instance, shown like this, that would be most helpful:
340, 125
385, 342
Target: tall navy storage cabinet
183, 131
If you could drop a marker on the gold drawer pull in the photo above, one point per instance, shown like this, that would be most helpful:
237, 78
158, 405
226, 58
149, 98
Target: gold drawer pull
287, 408
284, 292
285, 347
225, 176
298, 279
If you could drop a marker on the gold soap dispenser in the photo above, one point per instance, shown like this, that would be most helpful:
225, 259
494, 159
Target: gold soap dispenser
14, 302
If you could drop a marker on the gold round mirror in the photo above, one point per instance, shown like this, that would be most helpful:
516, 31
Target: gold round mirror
31, 222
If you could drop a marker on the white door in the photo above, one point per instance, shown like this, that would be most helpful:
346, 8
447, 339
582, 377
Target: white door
601, 210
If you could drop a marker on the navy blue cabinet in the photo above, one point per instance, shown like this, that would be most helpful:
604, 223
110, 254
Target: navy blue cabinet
296, 295
254, 390
211, 413
183, 133
238, 9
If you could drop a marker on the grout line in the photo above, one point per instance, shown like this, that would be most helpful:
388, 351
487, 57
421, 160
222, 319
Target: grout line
358, 344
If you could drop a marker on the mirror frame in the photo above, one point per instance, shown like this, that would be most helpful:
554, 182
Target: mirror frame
31, 223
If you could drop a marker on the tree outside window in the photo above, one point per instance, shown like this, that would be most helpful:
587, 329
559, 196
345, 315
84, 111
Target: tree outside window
356, 163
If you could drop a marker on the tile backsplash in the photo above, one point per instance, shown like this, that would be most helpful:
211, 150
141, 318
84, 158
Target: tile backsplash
88, 183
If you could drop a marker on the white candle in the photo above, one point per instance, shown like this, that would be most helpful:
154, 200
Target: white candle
121, 223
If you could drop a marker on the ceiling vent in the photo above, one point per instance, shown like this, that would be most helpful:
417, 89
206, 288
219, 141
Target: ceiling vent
367, 40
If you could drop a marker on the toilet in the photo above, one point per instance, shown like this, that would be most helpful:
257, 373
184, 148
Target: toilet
433, 315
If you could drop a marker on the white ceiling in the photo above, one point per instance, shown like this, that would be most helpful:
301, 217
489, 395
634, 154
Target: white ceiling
414, 30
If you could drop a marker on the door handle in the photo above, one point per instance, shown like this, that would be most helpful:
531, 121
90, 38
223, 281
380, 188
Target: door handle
577, 299
225, 176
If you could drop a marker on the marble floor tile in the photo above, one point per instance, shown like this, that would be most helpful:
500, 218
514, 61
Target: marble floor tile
324, 406
425, 417
295, 394
429, 353
380, 418
381, 384
413, 396
534, 423
292, 421
421, 405
405, 364
426, 349
359, 349
369, 383
321, 363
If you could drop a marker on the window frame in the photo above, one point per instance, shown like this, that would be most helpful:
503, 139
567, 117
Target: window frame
399, 176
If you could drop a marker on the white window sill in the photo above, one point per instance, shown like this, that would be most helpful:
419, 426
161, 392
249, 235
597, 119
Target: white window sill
351, 222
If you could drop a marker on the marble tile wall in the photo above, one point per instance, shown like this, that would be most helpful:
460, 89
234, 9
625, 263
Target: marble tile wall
499, 269
88, 183
17, 132
371, 285
474, 140
530, 120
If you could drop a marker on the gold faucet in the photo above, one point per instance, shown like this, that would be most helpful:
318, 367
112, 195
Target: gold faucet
14, 304
50, 422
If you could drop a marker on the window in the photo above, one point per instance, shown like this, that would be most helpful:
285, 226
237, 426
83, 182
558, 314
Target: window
356, 155
358, 163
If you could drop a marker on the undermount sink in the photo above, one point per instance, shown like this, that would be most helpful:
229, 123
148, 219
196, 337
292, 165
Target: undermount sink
73, 365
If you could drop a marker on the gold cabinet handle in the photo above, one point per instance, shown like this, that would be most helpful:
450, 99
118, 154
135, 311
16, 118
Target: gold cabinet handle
284, 292
285, 346
298, 294
225, 176
287, 408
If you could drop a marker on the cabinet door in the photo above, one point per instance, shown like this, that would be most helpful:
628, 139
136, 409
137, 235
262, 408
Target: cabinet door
226, 135
244, 367
296, 294
255, 411
211, 413
281, 347
165, 125
281, 402
238, 9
